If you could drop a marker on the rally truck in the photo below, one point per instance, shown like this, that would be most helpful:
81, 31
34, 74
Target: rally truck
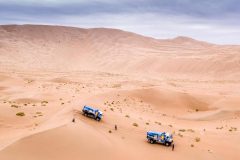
160, 137
92, 112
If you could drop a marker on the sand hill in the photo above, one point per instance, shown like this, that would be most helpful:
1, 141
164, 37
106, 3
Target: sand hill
183, 86
33, 47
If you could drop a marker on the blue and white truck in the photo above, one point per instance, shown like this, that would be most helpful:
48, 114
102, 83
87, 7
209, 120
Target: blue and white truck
160, 137
92, 112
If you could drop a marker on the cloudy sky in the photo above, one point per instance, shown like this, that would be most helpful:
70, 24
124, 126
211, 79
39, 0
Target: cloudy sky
216, 21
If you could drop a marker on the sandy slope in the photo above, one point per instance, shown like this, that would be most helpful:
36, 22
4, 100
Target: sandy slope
183, 86
34, 47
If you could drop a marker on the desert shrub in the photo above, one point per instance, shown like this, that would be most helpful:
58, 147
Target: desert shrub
44, 102
219, 127
135, 124
127, 116
192, 145
20, 114
159, 123
109, 131
197, 139
147, 123
15, 106
235, 129
116, 86
182, 130
190, 130
180, 135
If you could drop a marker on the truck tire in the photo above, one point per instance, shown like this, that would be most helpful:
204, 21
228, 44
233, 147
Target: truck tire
167, 144
152, 141
98, 119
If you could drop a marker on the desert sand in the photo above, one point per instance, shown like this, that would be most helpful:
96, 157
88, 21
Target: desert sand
183, 86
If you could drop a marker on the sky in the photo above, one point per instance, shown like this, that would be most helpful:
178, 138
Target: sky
215, 21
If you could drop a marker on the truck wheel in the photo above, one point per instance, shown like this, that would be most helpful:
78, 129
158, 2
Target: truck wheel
151, 141
98, 119
167, 144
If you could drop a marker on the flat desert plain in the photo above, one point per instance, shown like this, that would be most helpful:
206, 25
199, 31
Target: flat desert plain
183, 86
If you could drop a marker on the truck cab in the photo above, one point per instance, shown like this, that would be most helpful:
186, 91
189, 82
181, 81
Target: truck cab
92, 112
160, 137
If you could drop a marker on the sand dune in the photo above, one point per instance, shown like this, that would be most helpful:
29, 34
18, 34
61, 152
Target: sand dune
33, 47
183, 86
215, 115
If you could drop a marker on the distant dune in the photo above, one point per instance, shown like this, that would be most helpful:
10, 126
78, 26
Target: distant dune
39, 47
